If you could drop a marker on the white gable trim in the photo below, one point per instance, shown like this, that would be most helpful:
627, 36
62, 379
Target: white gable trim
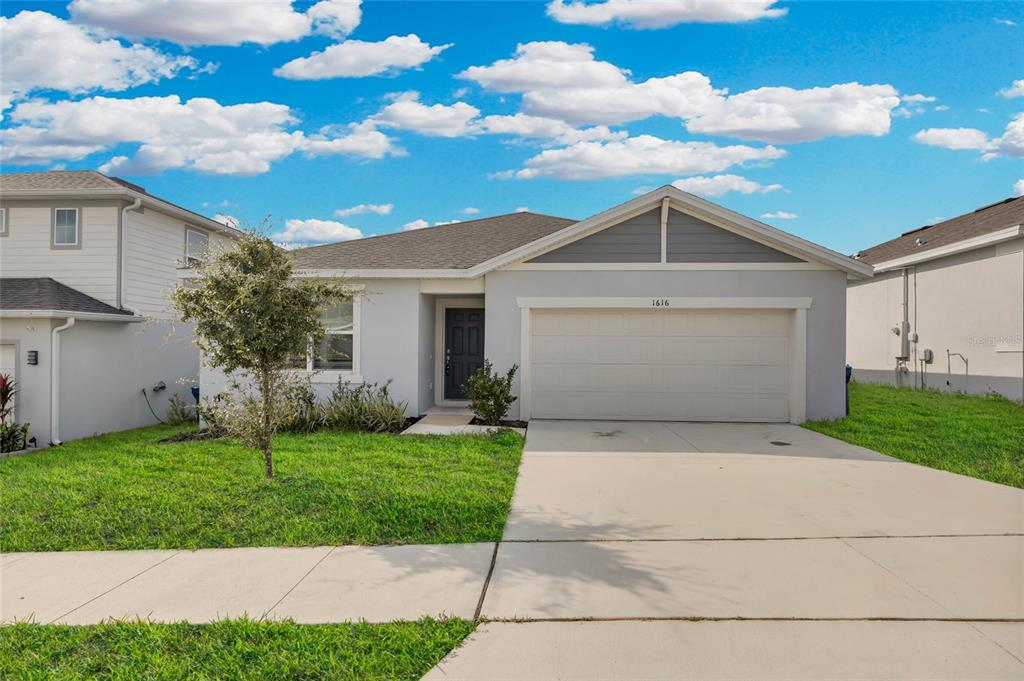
691, 205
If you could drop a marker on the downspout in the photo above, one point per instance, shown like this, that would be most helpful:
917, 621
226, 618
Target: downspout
55, 379
123, 250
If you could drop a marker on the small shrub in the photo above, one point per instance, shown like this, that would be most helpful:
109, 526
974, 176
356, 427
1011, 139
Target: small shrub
305, 414
8, 389
13, 436
216, 413
367, 407
179, 411
490, 394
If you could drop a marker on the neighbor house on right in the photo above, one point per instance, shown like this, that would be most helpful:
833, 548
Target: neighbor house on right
945, 308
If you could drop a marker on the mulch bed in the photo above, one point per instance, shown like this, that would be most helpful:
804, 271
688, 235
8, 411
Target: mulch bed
192, 436
502, 424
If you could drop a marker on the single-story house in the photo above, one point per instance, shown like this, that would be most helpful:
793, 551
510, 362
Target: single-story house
86, 327
664, 307
945, 308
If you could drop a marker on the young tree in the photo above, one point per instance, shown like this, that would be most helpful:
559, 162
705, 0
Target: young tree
251, 315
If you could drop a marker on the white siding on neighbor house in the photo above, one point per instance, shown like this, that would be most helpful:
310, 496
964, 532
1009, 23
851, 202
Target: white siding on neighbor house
90, 268
971, 303
155, 251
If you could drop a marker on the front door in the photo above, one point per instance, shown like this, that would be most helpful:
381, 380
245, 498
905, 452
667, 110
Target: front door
463, 348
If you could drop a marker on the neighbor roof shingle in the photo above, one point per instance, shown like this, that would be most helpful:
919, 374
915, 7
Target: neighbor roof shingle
44, 293
993, 218
459, 245
59, 179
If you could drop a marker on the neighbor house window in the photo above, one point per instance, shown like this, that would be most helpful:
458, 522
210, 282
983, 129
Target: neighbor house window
196, 246
3, 222
336, 351
65, 226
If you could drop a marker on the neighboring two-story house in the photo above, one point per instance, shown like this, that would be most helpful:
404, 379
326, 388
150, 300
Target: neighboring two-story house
86, 326
945, 308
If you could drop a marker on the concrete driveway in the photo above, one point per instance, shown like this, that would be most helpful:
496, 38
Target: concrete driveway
803, 557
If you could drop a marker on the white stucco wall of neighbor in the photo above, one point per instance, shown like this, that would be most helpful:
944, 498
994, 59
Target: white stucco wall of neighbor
826, 317
971, 303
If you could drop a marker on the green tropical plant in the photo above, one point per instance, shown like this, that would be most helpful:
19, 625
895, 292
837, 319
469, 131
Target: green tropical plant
367, 407
490, 393
251, 316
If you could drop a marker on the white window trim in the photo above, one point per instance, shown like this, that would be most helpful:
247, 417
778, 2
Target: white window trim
189, 228
78, 229
3, 221
440, 306
798, 346
335, 375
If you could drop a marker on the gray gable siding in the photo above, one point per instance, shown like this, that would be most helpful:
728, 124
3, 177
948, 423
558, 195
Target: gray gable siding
635, 240
690, 239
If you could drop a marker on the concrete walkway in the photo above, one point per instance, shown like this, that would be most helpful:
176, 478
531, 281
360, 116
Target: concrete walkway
321, 584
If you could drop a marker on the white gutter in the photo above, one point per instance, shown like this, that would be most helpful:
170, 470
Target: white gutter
952, 249
62, 314
123, 265
55, 379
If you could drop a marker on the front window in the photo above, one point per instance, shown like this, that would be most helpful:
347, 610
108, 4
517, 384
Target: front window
337, 349
65, 227
196, 245
334, 351
3, 222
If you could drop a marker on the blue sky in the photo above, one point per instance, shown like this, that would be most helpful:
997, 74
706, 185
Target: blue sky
861, 119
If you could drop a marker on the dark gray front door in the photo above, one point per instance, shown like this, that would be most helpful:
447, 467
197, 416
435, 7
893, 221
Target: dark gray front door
463, 348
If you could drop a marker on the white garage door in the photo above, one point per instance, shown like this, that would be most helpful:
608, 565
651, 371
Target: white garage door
701, 365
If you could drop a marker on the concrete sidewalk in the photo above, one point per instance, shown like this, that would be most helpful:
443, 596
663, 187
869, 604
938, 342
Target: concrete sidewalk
319, 584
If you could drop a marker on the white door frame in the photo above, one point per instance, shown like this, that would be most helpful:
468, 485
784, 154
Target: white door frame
798, 344
440, 305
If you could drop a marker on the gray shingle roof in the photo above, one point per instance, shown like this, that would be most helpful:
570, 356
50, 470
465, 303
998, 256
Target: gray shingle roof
992, 218
44, 293
60, 179
460, 245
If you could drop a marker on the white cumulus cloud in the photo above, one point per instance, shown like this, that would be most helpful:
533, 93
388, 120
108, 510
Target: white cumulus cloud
415, 224
199, 134
439, 120
1010, 143
1015, 89
779, 215
314, 231
356, 58
565, 82
718, 185
1018, 188
205, 22
42, 52
470, 210
661, 13
364, 208
640, 155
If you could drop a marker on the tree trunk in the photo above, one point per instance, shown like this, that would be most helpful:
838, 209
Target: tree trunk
266, 422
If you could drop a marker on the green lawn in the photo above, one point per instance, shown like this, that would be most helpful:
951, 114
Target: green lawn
231, 649
129, 491
972, 435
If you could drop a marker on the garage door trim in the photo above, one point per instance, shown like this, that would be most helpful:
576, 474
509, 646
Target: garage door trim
798, 333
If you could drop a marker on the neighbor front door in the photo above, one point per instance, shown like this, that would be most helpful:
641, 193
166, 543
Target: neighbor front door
463, 348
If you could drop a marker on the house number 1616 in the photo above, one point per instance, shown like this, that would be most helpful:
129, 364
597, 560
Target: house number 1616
659, 302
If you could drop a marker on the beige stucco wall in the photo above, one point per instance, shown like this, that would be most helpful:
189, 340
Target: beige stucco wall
971, 303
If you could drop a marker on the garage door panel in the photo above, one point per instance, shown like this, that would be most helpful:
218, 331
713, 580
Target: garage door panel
664, 364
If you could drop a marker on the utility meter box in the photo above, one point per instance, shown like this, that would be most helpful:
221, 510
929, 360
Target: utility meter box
928, 356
